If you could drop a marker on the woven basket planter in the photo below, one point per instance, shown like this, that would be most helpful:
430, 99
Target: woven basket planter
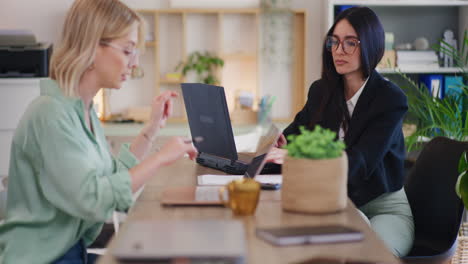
315, 186
461, 253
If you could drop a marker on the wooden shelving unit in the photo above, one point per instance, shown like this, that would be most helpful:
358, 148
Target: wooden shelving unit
232, 34
429, 18
420, 71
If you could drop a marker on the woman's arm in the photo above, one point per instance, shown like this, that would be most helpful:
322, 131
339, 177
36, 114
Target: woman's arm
161, 109
170, 152
70, 172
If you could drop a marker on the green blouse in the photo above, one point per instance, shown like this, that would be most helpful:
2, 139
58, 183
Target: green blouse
63, 182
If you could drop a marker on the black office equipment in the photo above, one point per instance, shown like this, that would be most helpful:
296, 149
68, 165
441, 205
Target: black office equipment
21, 56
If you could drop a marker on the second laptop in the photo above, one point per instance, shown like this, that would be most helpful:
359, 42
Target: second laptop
208, 117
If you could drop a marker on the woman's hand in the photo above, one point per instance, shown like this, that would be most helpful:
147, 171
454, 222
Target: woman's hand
161, 110
175, 149
281, 141
276, 155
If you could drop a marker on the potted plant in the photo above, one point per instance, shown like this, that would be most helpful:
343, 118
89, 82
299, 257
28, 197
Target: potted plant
315, 173
447, 117
462, 183
204, 65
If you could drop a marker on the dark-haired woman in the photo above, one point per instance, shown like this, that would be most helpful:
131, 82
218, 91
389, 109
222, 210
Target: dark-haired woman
366, 111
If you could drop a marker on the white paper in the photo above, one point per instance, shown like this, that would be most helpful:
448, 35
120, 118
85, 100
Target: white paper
211, 179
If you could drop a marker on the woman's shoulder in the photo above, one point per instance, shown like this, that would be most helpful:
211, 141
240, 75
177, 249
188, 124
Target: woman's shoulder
316, 88
46, 111
47, 105
387, 89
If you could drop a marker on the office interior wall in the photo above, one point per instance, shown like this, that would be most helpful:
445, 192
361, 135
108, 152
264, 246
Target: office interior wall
45, 19
316, 21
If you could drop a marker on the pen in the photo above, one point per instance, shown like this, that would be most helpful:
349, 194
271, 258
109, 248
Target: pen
193, 140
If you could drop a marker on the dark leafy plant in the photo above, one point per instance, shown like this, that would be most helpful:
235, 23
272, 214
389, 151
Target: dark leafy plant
433, 116
462, 183
203, 64
317, 144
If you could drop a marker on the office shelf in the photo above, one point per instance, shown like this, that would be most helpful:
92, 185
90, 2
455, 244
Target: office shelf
420, 71
232, 34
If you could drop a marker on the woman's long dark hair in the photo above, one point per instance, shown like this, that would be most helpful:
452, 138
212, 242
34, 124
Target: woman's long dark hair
371, 34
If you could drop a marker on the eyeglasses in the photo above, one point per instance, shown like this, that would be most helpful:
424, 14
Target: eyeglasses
349, 45
131, 54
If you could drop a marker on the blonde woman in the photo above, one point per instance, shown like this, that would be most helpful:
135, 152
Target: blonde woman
63, 181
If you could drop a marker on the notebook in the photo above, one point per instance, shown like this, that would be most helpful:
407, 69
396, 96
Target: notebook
208, 118
297, 235
208, 195
192, 241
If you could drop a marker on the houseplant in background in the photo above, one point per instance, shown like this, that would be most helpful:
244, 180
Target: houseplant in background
447, 117
204, 65
433, 116
315, 173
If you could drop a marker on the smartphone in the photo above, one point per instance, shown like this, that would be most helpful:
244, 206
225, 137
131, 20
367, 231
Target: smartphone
283, 236
270, 186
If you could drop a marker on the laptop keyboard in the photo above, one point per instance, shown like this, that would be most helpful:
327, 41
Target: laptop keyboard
207, 193
234, 167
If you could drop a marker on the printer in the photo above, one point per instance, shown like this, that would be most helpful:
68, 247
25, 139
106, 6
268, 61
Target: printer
21, 56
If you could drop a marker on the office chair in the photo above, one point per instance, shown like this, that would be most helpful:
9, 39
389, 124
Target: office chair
437, 210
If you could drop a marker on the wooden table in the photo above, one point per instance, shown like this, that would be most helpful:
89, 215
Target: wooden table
268, 214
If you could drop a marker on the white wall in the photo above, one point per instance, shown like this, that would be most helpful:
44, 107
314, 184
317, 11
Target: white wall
316, 23
45, 19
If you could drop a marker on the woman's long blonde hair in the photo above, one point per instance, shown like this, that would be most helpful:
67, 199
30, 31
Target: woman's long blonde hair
86, 24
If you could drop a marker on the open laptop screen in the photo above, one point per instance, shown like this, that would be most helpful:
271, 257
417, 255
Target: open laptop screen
267, 141
255, 166
209, 118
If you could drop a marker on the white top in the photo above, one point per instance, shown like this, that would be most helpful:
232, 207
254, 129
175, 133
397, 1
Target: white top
351, 103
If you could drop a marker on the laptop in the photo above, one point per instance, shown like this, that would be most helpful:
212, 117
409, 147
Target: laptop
207, 193
181, 241
208, 118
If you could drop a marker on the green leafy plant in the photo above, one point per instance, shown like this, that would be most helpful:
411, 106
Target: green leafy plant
203, 64
317, 144
462, 183
447, 117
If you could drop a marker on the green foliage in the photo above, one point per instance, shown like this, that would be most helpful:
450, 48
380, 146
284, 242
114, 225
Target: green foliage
446, 117
317, 144
203, 64
462, 182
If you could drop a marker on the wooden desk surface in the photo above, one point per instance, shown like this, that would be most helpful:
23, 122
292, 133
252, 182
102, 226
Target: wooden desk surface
268, 214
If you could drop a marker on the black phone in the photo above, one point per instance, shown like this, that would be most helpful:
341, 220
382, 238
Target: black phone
270, 186
297, 235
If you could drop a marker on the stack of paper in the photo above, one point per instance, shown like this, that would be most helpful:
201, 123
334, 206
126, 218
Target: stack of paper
417, 59
210, 179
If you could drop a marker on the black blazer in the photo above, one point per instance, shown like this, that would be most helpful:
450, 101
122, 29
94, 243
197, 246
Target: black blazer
374, 140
